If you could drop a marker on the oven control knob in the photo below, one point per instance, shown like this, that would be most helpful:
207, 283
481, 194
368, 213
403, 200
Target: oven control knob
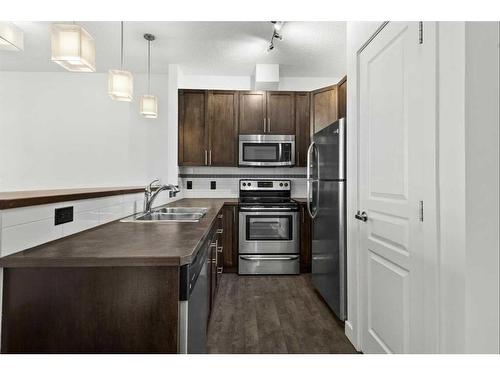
286, 183
249, 184
244, 184
281, 183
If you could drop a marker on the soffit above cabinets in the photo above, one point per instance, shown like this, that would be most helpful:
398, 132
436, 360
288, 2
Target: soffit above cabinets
309, 49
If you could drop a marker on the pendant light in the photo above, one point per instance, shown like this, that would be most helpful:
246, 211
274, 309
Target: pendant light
149, 103
120, 82
73, 48
11, 37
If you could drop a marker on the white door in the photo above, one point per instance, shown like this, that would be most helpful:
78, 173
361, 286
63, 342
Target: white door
396, 166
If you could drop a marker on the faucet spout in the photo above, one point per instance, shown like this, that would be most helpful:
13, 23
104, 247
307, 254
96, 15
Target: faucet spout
150, 196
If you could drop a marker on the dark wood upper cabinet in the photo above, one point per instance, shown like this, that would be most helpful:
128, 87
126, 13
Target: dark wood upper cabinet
342, 97
211, 120
193, 134
302, 128
323, 107
223, 128
280, 112
252, 112
208, 128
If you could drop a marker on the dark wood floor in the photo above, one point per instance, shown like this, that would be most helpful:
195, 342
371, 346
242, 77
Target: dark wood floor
273, 314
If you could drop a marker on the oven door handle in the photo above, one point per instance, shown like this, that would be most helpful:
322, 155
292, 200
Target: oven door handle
266, 209
257, 258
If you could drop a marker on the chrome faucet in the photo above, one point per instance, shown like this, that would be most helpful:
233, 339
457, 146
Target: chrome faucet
150, 196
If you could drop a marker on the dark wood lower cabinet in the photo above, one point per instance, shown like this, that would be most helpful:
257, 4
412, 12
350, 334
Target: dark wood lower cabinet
230, 238
90, 310
305, 239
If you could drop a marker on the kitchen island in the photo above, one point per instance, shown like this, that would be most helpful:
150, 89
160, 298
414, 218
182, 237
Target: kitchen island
111, 289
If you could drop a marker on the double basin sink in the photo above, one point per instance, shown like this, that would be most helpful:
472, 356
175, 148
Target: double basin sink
169, 214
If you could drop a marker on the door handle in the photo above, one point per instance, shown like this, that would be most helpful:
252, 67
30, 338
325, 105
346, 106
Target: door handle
206, 157
257, 258
268, 125
361, 216
210, 157
264, 124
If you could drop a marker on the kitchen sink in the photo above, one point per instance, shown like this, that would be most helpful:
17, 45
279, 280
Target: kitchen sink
169, 214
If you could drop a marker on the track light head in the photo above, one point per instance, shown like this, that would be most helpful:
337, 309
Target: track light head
277, 25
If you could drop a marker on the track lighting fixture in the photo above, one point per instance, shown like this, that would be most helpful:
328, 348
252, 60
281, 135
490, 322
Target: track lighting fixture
277, 25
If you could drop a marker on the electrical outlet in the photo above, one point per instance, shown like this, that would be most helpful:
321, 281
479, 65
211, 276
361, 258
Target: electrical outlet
63, 215
189, 185
213, 185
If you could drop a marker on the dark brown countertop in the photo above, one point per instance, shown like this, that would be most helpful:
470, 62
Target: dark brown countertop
13, 199
125, 244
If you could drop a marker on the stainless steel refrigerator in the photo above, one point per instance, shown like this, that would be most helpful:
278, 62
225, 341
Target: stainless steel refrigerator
326, 203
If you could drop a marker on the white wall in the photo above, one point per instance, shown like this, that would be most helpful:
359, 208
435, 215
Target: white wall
61, 130
247, 82
482, 168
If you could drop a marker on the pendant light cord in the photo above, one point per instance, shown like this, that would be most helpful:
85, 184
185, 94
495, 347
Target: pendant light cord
121, 68
149, 67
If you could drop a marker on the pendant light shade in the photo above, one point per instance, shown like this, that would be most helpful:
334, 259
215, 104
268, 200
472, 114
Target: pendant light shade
149, 106
73, 48
149, 103
11, 37
121, 82
120, 85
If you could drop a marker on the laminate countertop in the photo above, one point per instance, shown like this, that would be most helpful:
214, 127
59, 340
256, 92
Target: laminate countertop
126, 244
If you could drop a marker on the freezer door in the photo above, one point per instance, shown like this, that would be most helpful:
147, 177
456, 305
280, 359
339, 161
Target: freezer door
330, 146
328, 246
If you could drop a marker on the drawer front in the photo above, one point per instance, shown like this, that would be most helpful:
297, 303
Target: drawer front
269, 265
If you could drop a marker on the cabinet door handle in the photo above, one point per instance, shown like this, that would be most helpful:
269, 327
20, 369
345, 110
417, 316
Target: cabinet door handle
206, 157
268, 125
220, 230
264, 124
220, 249
234, 215
219, 269
210, 157
220, 216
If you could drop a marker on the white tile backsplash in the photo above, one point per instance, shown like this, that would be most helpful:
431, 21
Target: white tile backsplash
25, 227
23, 215
23, 236
228, 187
81, 221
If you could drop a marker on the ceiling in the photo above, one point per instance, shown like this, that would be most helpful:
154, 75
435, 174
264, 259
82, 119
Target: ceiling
309, 49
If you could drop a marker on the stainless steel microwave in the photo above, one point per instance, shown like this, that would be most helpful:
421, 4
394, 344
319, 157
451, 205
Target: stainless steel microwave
266, 150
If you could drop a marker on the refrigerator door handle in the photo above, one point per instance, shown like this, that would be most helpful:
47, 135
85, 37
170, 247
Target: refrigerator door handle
309, 180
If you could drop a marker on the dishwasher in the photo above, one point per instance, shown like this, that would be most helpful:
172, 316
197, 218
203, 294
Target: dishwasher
193, 304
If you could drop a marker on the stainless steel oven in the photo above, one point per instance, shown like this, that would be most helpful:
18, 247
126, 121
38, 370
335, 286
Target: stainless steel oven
266, 150
268, 228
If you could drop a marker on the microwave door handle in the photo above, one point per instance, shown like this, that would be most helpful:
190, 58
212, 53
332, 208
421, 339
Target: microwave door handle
280, 152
